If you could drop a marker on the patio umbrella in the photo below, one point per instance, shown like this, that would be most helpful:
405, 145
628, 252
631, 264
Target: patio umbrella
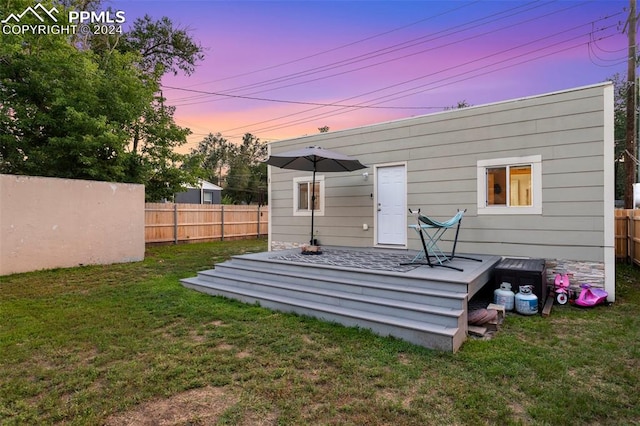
315, 159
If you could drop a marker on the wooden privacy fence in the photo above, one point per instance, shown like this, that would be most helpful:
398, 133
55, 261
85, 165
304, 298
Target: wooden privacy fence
628, 236
176, 223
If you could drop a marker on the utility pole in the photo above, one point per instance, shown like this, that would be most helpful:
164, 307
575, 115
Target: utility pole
631, 147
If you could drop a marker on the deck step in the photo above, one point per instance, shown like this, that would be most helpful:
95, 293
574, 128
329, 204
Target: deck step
417, 332
392, 289
361, 275
331, 296
424, 306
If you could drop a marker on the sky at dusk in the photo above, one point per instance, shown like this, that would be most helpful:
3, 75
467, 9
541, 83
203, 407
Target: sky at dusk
282, 69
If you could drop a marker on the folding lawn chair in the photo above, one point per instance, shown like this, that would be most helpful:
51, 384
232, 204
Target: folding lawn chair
431, 232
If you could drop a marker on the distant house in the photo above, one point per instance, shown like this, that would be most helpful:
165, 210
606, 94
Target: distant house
204, 193
534, 174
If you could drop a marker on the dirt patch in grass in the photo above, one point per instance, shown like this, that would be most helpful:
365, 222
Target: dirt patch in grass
404, 397
225, 347
243, 355
197, 337
404, 359
196, 406
520, 413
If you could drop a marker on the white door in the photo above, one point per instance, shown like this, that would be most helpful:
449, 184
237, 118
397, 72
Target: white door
391, 216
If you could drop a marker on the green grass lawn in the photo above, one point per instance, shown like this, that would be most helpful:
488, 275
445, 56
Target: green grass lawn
127, 343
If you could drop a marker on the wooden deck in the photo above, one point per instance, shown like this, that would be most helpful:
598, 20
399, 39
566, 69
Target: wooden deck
368, 288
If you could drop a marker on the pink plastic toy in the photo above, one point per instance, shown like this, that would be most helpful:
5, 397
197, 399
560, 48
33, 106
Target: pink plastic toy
561, 288
591, 296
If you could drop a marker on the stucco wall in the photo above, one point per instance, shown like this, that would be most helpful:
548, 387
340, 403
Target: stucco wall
49, 223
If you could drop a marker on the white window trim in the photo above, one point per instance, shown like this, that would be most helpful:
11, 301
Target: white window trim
536, 182
319, 197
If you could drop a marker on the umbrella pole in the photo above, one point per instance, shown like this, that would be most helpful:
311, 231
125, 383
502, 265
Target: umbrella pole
313, 203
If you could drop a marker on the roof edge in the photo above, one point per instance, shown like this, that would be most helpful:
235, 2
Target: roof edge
399, 120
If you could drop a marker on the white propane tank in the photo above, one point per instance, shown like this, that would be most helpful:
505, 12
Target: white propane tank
504, 296
526, 301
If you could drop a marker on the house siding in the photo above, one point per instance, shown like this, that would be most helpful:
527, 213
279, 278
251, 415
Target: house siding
192, 196
572, 131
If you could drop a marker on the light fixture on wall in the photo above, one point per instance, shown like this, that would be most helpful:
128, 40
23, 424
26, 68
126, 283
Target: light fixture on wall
365, 175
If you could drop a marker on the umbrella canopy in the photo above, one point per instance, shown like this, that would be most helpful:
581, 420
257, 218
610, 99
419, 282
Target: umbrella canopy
315, 159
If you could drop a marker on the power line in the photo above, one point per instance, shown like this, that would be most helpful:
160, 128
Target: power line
592, 46
421, 77
455, 9
334, 113
412, 91
382, 52
456, 66
497, 69
293, 102
308, 57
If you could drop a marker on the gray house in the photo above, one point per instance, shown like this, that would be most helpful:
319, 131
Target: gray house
534, 174
204, 193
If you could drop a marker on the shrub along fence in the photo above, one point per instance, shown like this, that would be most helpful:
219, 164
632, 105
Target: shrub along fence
179, 223
628, 236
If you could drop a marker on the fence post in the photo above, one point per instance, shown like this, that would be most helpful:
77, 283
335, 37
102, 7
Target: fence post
627, 219
631, 238
175, 223
258, 221
221, 222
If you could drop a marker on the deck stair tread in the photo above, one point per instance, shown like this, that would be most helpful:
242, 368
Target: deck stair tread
425, 306
321, 307
388, 285
373, 274
342, 295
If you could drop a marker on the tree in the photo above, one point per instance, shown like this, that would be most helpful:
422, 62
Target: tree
213, 154
619, 120
92, 108
64, 111
246, 181
162, 46
155, 161
238, 168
